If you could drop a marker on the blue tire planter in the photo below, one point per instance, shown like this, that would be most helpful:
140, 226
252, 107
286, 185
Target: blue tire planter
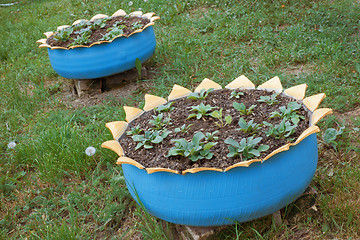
103, 59
210, 198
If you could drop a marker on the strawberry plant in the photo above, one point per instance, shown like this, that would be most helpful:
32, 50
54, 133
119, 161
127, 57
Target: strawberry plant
289, 113
219, 115
195, 149
82, 39
80, 25
270, 100
136, 25
158, 122
235, 94
211, 136
149, 138
248, 127
113, 32
134, 130
282, 130
86, 31
165, 107
201, 110
246, 148
242, 108
63, 34
184, 128
99, 23
200, 95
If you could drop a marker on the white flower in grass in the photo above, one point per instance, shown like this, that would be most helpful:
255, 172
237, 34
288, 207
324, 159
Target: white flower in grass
90, 151
146, 0
130, 3
11, 145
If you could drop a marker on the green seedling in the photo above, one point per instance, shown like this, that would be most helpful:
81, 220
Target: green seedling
218, 115
270, 100
248, 127
195, 149
86, 31
82, 24
112, 32
82, 39
200, 95
331, 134
165, 107
99, 23
201, 110
160, 121
246, 148
235, 94
134, 130
242, 108
136, 25
138, 66
149, 138
184, 128
282, 130
211, 136
289, 113
64, 34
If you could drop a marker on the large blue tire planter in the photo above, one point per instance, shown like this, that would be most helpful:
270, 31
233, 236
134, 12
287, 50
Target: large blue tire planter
103, 59
210, 198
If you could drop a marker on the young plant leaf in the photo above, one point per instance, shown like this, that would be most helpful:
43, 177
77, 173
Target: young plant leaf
138, 66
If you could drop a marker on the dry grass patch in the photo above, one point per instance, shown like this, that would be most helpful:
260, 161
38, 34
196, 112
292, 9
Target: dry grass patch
299, 69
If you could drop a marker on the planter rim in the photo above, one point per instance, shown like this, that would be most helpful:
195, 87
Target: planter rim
119, 12
118, 128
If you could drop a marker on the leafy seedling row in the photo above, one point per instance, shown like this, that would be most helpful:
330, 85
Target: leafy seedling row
104, 29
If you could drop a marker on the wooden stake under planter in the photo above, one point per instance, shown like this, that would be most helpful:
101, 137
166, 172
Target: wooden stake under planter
86, 86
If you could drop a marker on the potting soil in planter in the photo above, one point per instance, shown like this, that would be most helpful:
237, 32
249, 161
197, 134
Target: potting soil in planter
223, 99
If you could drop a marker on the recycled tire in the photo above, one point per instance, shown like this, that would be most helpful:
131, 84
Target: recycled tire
104, 59
211, 198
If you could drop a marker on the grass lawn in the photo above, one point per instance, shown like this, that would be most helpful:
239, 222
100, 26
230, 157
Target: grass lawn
49, 187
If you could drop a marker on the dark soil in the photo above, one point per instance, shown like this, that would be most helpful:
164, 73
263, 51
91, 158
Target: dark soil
97, 34
155, 157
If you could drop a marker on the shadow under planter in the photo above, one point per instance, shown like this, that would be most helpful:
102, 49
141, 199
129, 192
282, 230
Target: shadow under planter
99, 85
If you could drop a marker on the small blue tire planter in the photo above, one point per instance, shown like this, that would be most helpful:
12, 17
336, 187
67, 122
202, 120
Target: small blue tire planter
103, 58
210, 198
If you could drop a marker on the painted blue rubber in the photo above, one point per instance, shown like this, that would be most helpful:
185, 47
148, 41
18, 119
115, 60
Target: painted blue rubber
210, 198
103, 59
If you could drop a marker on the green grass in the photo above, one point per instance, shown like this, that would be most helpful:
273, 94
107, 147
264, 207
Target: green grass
49, 187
